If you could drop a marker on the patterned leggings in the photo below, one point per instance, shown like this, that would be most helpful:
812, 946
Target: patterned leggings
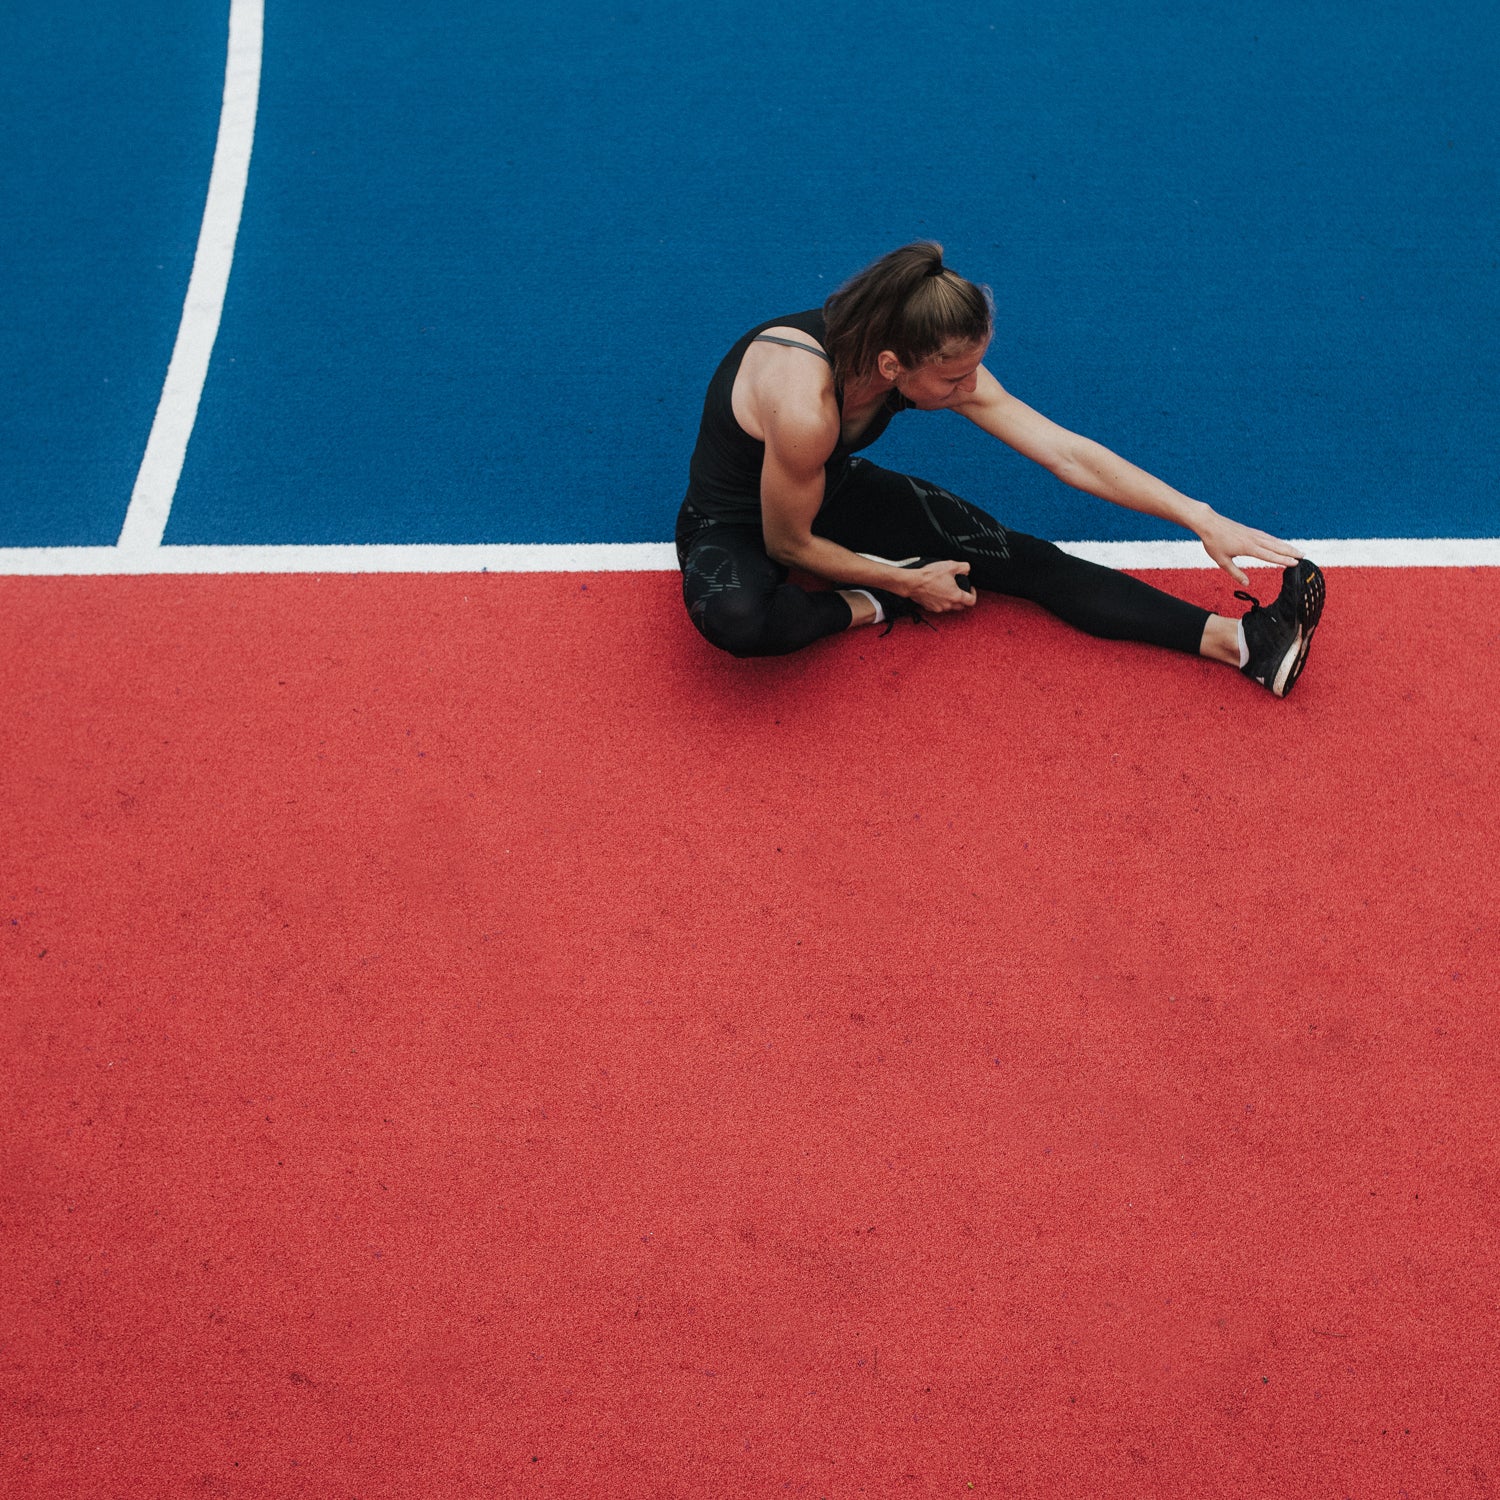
740, 600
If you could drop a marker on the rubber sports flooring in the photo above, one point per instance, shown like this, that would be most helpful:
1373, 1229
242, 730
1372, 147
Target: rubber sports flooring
465, 1038
525, 1052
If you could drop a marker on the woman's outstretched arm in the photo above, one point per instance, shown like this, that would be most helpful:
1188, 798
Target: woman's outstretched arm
1089, 466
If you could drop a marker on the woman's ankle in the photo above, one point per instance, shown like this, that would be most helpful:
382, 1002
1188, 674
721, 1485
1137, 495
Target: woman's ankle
1222, 641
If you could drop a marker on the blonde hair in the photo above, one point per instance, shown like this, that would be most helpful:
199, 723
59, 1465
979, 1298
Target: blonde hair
908, 302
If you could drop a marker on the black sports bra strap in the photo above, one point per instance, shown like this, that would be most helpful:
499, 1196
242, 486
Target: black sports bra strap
770, 338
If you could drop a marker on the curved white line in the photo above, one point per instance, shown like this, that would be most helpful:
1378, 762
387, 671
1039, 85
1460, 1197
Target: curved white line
161, 467
647, 557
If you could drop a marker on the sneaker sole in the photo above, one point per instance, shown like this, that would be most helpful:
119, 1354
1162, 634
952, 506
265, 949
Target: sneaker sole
1314, 591
1286, 669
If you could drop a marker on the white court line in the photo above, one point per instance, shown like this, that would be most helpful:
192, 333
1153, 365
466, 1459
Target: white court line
161, 467
643, 557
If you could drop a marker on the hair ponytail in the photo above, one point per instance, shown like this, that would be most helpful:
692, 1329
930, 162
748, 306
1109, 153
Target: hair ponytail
908, 302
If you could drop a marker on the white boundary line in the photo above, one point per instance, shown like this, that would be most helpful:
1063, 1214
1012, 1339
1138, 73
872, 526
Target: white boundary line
642, 557
161, 467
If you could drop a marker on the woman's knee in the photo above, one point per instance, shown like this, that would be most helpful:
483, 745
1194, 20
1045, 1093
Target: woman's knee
734, 621
746, 622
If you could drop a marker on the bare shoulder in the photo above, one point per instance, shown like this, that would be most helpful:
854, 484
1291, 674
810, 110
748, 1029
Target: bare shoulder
785, 397
988, 392
993, 407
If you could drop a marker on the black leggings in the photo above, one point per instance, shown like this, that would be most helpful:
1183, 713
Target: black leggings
740, 600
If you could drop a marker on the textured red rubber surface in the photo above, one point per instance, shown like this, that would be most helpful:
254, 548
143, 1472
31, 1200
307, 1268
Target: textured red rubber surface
463, 1037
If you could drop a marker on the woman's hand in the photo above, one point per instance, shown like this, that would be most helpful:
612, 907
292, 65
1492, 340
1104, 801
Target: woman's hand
933, 588
1224, 540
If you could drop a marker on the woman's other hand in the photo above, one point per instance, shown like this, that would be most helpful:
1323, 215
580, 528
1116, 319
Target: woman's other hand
934, 588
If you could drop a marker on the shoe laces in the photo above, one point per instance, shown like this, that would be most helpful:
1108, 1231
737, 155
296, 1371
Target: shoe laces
914, 614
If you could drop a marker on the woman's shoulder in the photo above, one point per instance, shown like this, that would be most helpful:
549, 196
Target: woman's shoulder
784, 391
809, 324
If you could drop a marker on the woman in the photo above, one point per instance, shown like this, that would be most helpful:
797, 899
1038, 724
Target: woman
774, 485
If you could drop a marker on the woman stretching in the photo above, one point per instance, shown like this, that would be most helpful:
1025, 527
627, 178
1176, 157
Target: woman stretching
774, 485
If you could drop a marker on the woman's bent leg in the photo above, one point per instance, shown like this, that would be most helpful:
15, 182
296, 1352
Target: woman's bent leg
740, 600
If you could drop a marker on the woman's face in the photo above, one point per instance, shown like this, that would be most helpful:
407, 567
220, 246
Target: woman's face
938, 382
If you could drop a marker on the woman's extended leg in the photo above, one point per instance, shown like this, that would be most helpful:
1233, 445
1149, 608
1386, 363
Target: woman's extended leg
877, 510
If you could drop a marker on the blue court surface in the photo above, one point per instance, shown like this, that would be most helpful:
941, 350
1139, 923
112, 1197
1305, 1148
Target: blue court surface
489, 255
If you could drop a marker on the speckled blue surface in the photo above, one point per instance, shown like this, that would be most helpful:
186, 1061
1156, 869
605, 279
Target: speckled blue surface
490, 254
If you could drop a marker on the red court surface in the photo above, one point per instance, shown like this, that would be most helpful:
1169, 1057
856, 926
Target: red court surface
464, 1037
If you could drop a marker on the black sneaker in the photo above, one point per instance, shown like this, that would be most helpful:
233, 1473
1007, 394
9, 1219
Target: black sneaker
897, 607
1279, 634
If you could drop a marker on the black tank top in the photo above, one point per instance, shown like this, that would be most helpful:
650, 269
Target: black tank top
724, 476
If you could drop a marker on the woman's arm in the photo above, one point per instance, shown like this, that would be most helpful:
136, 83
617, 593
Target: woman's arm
801, 428
1089, 466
